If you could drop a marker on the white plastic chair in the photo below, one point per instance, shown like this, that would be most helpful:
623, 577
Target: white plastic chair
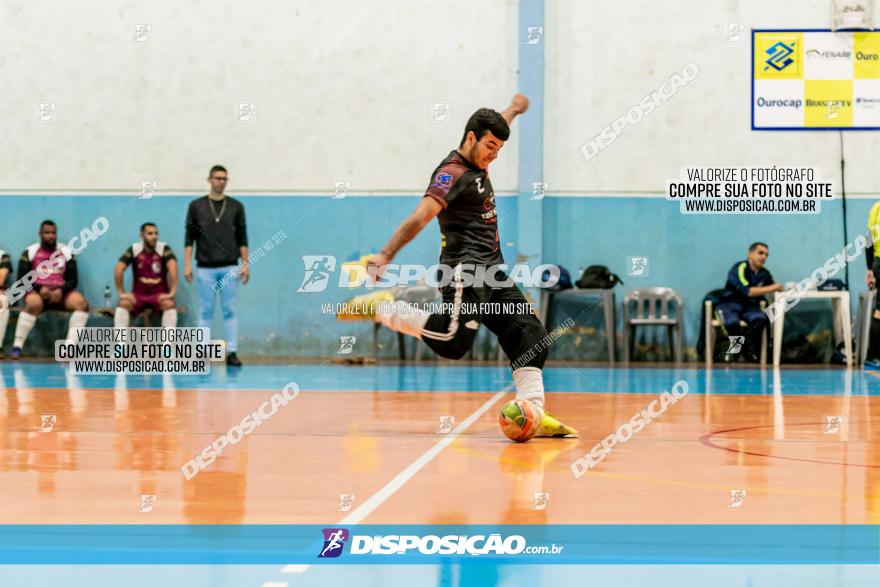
653, 307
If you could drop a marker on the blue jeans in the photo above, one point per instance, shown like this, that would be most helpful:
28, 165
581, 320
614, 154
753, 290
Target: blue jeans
208, 279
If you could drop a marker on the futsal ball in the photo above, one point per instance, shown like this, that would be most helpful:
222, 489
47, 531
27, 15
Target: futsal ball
519, 420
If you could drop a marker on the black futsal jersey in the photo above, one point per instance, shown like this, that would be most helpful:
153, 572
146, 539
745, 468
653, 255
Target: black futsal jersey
468, 221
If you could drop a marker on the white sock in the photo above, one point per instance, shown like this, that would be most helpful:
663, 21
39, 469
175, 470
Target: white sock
23, 328
121, 318
4, 320
529, 383
77, 320
403, 317
169, 318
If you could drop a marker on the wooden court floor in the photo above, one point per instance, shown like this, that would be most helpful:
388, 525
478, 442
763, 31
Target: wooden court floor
771, 438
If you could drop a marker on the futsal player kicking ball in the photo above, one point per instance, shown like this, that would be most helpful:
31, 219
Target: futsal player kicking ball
155, 279
460, 196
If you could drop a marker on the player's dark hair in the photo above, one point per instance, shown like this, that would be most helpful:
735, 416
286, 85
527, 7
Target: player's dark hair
754, 246
146, 224
47, 223
215, 169
486, 119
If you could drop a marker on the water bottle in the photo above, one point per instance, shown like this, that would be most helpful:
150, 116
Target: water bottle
108, 297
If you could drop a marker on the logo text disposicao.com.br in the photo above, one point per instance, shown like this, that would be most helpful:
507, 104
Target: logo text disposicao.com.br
453, 544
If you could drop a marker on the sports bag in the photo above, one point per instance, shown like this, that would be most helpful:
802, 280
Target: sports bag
598, 277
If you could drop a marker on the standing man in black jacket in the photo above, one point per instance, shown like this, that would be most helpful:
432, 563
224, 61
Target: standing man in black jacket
216, 224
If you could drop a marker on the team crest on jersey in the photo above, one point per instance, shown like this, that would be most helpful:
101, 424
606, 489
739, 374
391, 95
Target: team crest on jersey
489, 216
442, 182
156, 267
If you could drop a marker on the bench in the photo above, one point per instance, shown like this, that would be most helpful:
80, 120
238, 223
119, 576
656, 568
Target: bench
41, 342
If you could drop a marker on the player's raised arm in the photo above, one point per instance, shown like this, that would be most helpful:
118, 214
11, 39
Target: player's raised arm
518, 105
427, 209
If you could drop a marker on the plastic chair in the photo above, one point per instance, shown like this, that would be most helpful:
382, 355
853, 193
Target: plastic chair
652, 308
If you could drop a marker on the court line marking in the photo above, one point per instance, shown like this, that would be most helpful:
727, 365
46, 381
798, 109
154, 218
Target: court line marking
708, 439
390, 488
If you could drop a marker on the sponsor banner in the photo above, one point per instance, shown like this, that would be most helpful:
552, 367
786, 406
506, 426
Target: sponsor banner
430, 544
815, 79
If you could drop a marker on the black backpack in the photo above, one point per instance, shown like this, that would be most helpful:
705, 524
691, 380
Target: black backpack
598, 277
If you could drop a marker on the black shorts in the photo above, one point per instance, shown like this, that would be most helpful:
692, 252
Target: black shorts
503, 309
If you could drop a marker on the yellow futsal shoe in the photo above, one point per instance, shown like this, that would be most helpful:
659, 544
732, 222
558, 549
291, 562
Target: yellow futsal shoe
552, 427
364, 307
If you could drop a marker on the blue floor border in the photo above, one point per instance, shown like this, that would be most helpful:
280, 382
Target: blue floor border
443, 377
581, 544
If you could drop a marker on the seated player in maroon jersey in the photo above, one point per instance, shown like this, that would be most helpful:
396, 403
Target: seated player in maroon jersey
155, 279
53, 289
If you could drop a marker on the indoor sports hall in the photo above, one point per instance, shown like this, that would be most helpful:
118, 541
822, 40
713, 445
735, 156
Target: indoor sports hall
514, 293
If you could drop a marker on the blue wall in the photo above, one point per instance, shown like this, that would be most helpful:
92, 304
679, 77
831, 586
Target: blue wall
275, 320
690, 253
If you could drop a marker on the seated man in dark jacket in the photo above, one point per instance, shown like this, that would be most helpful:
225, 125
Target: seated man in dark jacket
747, 283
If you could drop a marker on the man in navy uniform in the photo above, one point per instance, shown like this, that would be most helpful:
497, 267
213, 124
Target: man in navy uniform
747, 283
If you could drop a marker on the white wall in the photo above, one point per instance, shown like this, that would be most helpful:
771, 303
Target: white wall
603, 57
342, 91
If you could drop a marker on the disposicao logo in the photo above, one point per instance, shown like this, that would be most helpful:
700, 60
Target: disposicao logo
334, 541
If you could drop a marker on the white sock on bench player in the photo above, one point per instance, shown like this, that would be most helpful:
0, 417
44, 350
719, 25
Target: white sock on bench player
169, 318
77, 320
4, 320
121, 318
23, 328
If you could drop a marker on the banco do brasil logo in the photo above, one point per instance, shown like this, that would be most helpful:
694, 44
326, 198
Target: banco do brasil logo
779, 56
